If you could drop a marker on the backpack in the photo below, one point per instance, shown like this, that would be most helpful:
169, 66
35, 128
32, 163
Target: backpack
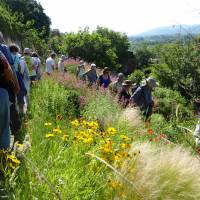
23, 92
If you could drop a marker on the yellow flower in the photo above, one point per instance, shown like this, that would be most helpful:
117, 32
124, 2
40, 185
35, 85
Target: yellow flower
13, 159
49, 135
48, 124
19, 145
125, 146
117, 157
88, 140
125, 155
107, 147
12, 166
114, 184
59, 117
75, 123
65, 137
93, 125
111, 131
57, 130
90, 131
85, 123
124, 138
102, 134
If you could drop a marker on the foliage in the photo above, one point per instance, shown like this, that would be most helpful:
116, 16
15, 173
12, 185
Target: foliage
171, 104
57, 164
103, 46
143, 56
178, 68
60, 101
24, 34
31, 10
137, 76
55, 41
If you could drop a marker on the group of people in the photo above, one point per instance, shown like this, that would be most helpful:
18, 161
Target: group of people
51, 64
128, 94
17, 73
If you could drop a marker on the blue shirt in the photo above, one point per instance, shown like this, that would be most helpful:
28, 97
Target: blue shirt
4, 49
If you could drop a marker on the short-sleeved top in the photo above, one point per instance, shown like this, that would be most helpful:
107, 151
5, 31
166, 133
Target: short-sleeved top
104, 82
49, 63
29, 64
35, 62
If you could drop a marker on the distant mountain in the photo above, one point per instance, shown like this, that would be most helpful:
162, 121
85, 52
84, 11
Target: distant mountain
171, 30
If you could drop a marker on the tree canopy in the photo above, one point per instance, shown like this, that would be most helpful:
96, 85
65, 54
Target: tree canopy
32, 11
103, 46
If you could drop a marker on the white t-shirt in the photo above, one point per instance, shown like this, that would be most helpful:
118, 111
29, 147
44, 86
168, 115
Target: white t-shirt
50, 65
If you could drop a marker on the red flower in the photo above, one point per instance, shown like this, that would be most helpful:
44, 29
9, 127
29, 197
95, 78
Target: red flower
150, 131
198, 151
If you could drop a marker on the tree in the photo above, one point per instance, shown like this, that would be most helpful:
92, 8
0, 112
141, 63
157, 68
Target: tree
31, 10
143, 56
179, 68
103, 46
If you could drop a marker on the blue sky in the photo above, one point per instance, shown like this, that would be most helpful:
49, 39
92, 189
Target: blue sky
128, 16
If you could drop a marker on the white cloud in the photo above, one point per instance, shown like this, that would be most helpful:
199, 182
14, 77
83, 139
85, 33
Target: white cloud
129, 16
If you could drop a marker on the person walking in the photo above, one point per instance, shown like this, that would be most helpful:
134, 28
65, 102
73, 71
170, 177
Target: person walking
61, 65
104, 80
5, 50
50, 64
91, 75
116, 87
80, 71
142, 97
124, 94
36, 62
30, 64
9, 88
14, 49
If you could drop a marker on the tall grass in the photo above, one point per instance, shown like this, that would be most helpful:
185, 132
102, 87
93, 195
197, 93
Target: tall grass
160, 173
54, 168
65, 167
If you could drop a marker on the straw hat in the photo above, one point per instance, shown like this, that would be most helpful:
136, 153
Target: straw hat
151, 82
127, 83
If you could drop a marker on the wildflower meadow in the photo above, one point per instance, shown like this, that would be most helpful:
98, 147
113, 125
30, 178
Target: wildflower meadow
80, 144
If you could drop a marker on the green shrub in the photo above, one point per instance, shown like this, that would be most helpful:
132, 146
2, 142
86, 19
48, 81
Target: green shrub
171, 104
54, 99
71, 68
136, 77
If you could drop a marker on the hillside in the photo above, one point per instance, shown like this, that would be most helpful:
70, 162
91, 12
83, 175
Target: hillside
171, 30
